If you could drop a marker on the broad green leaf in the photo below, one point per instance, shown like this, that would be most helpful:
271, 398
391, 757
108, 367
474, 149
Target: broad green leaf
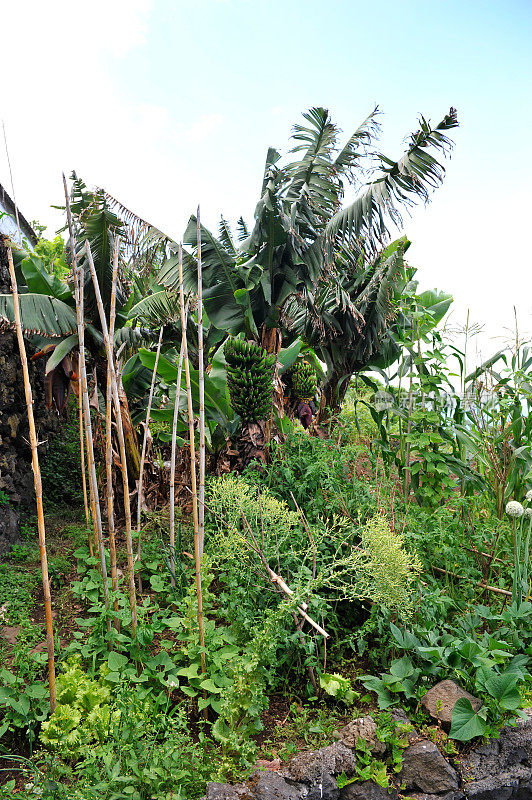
466, 724
40, 281
40, 314
401, 668
504, 689
209, 686
60, 351
117, 661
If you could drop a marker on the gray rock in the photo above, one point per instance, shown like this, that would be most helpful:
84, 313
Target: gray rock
9, 528
224, 791
425, 769
490, 789
362, 728
367, 791
510, 756
524, 792
310, 767
271, 786
440, 700
458, 795
324, 789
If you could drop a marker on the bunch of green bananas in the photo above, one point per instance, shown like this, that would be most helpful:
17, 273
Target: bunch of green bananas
249, 378
304, 381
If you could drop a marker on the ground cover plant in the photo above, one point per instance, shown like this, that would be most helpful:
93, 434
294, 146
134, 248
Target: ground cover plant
361, 521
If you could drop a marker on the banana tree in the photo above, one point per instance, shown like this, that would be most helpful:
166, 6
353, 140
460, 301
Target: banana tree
300, 222
306, 248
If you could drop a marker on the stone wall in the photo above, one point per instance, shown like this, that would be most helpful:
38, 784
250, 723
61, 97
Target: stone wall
16, 476
500, 769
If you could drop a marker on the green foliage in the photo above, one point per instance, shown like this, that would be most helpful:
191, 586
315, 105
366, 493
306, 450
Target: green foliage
82, 715
429, 467
52, 254
249, 379
319, 473
17, 588
394, 735
4, 499
338, 687
22, 553
149, 752
24, 703
242, 702
485, 652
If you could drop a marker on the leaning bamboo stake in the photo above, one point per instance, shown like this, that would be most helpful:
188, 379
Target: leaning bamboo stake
121, 442
83, 476
91, 461
109, 443
34, 443
79, 294
201, 387
173, 456
145, 441
197, 554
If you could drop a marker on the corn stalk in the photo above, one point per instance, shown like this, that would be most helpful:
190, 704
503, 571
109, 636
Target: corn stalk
83, 476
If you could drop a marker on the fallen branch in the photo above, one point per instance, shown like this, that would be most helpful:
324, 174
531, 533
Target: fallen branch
482, 585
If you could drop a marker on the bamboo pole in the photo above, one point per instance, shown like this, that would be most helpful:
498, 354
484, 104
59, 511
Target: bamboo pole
145, 440
34, 443
121, 442
197, 554
83, 476
79, 293
109, 442
173, 456
201, 387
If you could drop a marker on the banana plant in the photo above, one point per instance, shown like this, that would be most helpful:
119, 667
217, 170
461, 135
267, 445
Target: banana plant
48, 306
300, 222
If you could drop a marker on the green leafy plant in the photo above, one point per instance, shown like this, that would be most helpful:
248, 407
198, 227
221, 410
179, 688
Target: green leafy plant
24, 704
338, 687
82, 714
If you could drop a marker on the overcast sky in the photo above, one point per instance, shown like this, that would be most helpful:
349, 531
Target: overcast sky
168, 103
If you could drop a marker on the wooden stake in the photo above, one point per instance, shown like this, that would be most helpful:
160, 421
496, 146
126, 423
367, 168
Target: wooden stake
83, 476
173, 456
38, 485
144, 442
197, 554
201, 387
79, 293
121, 441
109, 442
